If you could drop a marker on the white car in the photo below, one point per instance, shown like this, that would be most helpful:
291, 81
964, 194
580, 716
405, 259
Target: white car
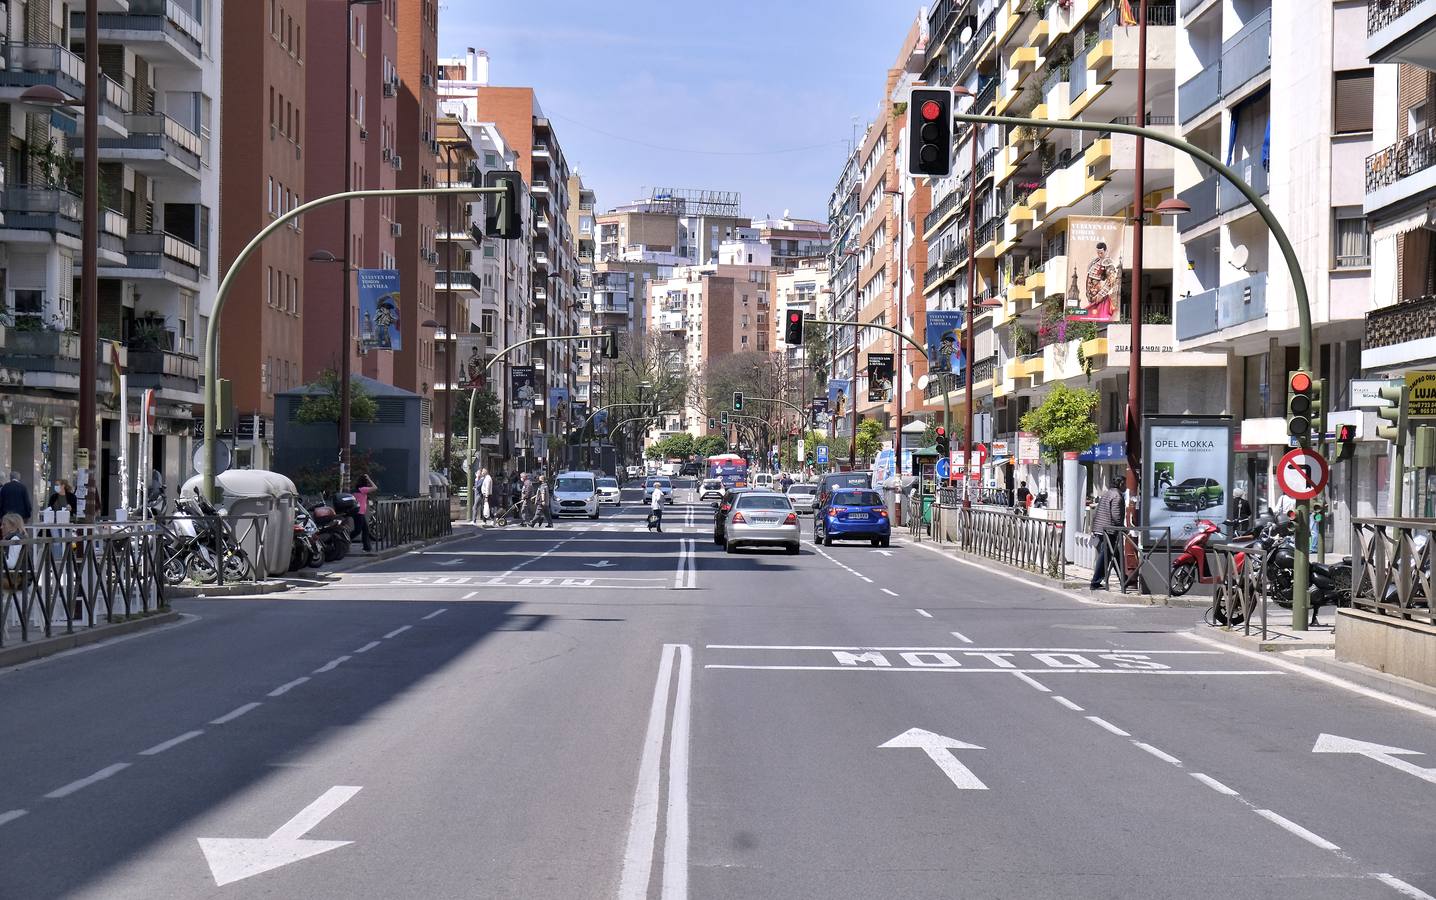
608, 491
575, 494
711, 489
635, 471
804, 497
763, 481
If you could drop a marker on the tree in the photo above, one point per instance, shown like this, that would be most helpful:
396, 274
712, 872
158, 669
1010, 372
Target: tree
1064, 421
710, 445
324, 407
486, 414
870, 438
816, 351
678, 445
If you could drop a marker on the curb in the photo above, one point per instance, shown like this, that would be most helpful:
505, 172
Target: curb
1283, 644
1375, 679
16, 654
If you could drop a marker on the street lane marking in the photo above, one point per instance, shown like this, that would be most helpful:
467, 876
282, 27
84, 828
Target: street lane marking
686, 576
397, 631
1409, 890
1310, 837
922, 612
939, 749
961, 637
7, 817
439, 612
641, 846
172, 742
1215, 785
332, 664
451, 562
1103, 723
88, 780
1159, 753
234, 714
1094, 650
888, 592
1067, 703
1009, 671
864, 578
1033, 682
288, 686
675, 838
367, 647
235, 859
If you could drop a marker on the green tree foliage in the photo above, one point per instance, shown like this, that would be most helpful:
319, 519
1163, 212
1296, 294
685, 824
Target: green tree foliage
676, 446
324, 407
1064, 421
870, 438
486, 413
710, 445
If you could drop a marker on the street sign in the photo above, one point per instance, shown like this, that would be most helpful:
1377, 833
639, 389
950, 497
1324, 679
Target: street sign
1302, 474
1421, 395
944, 468
822, 454
1365, 392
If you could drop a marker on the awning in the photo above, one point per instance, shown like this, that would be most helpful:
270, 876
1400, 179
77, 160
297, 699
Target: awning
1407, 223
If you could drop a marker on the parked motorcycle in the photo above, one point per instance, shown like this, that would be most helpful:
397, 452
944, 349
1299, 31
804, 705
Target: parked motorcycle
333, 532
1328, 585
197, 544
307, 552
1193, 566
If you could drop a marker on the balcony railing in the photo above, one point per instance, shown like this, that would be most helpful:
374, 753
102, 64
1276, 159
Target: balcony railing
1223, 307
1247, 53
164, 362
42, 209
32, 64
942, 209
1379, 15
116, 95
1200, 93
1409, 320
158, 132
1215, 195
456, 279
1414, 153
1253, 173
984, 32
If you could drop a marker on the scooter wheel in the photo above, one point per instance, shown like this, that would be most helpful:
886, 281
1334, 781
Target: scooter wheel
1183, 577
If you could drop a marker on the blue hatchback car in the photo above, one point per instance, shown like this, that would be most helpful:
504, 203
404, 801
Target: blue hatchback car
853, 513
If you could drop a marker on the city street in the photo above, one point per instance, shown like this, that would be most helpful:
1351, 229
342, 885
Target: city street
597, 711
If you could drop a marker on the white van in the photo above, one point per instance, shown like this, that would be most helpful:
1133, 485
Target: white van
669, 469
575, 494
763, 481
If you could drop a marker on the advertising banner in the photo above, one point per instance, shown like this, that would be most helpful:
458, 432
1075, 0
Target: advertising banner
1421, 395
600, 423
1187, 472
558, 403
880, 377
840, 392
819, 411
470, 350
944, 349
580, 412
379, 309
521, 387
1029, 448
1094, 268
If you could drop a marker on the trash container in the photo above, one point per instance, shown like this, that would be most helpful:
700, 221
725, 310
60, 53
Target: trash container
249, 492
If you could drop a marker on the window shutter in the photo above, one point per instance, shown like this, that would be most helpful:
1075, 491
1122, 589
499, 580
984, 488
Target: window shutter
1351, 101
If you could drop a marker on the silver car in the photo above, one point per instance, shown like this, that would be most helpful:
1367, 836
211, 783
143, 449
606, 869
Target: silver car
804, 497
762, 519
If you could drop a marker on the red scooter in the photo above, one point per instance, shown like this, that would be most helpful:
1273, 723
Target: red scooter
1192, 565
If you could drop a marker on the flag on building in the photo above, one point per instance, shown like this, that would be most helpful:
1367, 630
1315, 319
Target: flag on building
1126, 13
117, 371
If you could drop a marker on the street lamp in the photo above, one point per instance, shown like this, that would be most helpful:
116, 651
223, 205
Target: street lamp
901, 290
970, 331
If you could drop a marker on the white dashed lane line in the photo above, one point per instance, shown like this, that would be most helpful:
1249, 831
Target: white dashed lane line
1215, 785
332, 664
367, 647
397, 631
888, 592
288, 686
234, 713
439, 612
961, 637
1067, 703
1033, 682
1103, 723
1306, 835
8, 817
82, 783
172, 742
924, 613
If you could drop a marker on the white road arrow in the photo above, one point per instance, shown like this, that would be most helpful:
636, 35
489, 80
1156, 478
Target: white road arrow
1387, 756
884, 552
937, 749
234, 859
601, 564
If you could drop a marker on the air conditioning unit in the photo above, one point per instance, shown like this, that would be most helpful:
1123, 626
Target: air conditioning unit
363, 134
397, 161
396, 229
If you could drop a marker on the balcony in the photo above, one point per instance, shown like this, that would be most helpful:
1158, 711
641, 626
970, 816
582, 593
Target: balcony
457, 280
1405, 170
1401, 31
1200, 93
1214, 196
1402, 333
155, 254
160, 29
155, 368
1247, 54
42, 209
33, 64
157, 146
1224, 307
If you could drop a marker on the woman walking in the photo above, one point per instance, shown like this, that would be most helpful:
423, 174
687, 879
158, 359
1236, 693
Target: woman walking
363, 487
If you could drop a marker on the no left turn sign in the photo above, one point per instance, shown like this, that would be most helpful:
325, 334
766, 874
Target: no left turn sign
1302, 474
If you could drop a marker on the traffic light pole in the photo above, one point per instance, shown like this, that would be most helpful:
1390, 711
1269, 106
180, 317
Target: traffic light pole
1301, 569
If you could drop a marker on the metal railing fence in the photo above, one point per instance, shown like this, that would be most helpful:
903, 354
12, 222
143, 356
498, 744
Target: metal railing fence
402, 520
1391, 568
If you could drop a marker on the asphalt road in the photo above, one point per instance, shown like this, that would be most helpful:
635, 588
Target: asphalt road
597, 711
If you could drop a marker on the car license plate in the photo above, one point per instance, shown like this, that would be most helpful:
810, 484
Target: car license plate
857, 515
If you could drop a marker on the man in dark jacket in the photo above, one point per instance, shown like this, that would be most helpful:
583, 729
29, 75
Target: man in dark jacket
15, 498
1106, 527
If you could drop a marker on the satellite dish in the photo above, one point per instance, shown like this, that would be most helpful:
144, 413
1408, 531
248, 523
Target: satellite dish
965, 36
1240, 255
922, 382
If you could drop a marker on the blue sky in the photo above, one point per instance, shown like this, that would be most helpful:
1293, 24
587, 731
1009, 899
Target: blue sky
636, 88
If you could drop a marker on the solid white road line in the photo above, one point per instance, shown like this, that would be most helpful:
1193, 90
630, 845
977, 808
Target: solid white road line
367, 647
172, 742
8, 817
88, 780
397, 631
1215, 785
1160, 754
1033, 682
234, 713
643, 821
1067, 703
439, 612
332, 664
1095, 650
1103, 723
924, 613
888, 592
469, 596
288, 686
1310, 837
675, 836
1385, 878
1031, 584
961, 637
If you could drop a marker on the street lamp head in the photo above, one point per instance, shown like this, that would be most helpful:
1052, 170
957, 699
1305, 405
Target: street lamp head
963, 91
323, 256
429, 323
1171, 207
46, 95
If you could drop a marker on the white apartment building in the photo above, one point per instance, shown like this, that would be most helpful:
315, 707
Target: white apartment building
159, 187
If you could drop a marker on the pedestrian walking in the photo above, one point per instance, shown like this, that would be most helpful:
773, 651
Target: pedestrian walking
543, 498
1024, 497
63, 497
527, 486
363, 487
1241, 511
655, 513
15, 498
1106, 526
486, 487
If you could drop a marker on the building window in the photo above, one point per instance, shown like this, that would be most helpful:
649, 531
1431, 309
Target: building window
1353, 240
1351, 102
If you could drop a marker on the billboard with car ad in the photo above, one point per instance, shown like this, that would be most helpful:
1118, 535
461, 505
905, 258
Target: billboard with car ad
1186, 472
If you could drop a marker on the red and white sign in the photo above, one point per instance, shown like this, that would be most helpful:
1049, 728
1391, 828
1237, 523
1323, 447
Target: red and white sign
1302, 474
147, 410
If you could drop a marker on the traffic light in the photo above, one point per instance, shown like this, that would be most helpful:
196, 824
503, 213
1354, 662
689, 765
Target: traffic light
794, 333
929, 132
737, 401
723, 417
712, 424
1395, 394
610, 342
1301, 404
503, 217
1345, 442
943, 447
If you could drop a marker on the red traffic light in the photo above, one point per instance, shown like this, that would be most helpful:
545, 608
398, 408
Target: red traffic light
1300, 382
1346, 433
941, 432
795, 317
931, 109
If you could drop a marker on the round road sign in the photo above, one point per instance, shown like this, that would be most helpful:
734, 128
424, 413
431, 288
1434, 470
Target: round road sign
944, 468
1302, 474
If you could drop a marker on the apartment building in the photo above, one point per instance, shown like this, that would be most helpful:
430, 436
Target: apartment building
460, 278
1258, 82
673, 226
843, 253
264, 118
793, 241
1400, 184
157, 264
416, 141
806, 288
581, 226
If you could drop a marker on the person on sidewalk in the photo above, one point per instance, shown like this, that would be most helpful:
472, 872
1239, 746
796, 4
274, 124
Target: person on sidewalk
1106, 528
486, 487
363, 487
1024, 496
655, 514
527, 487
543, 498
63, 497
15, 498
